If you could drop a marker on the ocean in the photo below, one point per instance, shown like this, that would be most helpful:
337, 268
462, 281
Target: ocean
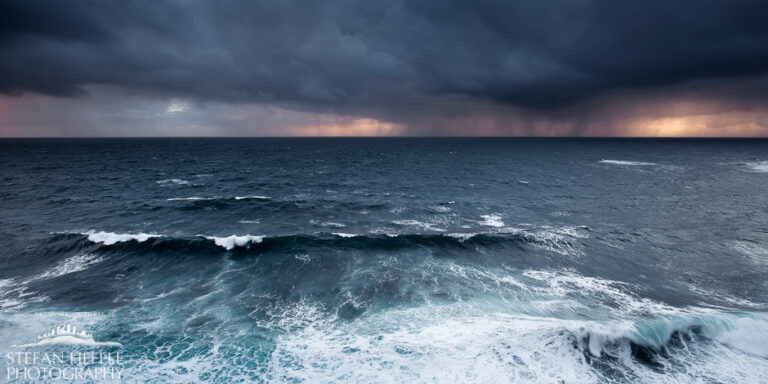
309, 260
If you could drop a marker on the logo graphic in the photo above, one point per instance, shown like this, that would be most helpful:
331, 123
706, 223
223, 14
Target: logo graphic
68, 335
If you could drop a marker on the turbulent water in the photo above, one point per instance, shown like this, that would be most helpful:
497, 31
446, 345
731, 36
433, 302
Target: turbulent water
393, 260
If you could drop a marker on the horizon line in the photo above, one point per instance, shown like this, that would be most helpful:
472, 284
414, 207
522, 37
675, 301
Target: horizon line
384, 137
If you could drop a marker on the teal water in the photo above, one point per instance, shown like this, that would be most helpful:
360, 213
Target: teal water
392, 260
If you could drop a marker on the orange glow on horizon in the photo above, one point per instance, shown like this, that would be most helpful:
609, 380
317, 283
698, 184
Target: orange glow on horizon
735, 124
44, 116
356, 127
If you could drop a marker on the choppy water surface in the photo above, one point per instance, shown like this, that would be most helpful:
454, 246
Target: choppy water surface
394, 260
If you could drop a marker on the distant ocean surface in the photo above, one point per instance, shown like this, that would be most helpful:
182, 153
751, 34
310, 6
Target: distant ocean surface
394, 260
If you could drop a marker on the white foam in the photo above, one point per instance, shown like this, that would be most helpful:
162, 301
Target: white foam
292, 316
759, 167
492, 220
14, 293
440, 208
198, 198
173, 181
230, 242
421, 224
398, 210
389, 232
612, 295
460, 342
755, 252
192, 198
345, 235
748, 335
9, 304
624, 162
71, 265
455, 343
562, 240
255, 197
462, 236
466, 341
109, 238
723, 297
332, 224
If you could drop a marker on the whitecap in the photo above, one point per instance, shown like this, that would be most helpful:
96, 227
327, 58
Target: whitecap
332, 224
345, 235
173, 181
625, 162
254, 197
492, 220
192, 198
462, 236
230, 242
421, 224
759, 167
109, 238
389, 232
440, 208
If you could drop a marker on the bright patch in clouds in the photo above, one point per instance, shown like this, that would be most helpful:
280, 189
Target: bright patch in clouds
177, 106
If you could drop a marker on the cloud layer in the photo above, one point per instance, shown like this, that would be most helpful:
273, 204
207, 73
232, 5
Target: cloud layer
432, 67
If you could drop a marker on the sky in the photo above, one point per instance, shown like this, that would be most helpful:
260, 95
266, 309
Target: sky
383, 68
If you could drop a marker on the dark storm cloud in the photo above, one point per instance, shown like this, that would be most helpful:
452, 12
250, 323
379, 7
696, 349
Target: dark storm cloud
386, 58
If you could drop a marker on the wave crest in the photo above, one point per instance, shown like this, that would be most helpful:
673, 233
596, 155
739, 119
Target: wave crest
562, 241
233, 241
625, 162
109, 238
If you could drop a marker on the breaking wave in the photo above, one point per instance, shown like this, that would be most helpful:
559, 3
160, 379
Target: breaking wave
562, 241
233, 241
109, 238
450, 345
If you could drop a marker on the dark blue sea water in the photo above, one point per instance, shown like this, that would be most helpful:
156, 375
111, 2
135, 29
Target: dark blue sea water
392, 260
